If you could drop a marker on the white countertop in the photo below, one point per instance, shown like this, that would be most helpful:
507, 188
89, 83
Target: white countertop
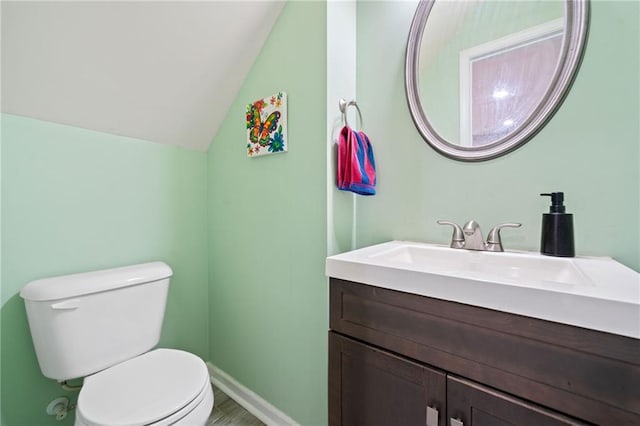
597, 293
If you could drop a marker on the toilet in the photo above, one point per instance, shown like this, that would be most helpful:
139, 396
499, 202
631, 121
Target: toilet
103, 326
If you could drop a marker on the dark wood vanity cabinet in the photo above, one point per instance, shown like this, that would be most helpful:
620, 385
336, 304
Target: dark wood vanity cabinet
402, 359
374, 387
469, 403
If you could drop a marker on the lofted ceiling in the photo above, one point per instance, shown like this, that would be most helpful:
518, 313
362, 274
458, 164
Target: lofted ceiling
161, 71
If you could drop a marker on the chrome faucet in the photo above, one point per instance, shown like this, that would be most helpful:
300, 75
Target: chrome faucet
470, 236
473, 236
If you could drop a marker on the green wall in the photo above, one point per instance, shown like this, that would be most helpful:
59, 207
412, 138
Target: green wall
267, 236
589, 149
1, 292
76, 200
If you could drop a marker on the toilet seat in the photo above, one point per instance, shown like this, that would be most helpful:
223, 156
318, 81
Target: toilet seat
158, 387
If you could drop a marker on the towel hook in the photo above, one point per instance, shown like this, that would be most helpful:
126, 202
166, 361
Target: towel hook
343, 105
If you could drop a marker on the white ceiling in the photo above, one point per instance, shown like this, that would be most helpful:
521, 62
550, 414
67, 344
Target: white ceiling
160, 71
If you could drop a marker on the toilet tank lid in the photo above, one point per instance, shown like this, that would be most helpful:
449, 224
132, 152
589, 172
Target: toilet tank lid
73, 285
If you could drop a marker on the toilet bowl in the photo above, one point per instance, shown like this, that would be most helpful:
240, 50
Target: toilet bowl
104, 326
161, 387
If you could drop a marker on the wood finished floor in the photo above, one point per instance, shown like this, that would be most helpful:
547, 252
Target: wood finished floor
229, 413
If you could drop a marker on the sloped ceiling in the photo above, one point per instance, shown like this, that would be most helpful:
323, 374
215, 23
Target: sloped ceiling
160, 71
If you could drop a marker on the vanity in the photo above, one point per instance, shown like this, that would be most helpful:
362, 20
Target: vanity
423, 334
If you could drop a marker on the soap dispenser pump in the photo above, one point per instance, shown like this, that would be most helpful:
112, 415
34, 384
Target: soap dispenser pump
557, 229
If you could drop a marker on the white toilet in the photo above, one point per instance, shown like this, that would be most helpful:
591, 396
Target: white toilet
103, 326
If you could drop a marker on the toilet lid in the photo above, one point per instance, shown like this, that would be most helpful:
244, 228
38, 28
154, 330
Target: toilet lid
142, 390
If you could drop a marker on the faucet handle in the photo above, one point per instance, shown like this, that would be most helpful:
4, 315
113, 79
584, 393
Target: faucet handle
457, 239
494, 242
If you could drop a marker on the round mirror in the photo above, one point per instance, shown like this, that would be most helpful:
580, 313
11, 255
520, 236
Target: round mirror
483, 77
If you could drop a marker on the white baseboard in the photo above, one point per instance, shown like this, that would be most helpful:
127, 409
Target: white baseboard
251, 401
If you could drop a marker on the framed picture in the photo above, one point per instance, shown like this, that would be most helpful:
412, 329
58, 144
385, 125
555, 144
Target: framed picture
267, 126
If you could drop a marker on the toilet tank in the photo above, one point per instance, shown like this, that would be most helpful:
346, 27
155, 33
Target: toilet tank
83, 323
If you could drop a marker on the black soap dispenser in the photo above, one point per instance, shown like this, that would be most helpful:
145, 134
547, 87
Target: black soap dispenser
557, 229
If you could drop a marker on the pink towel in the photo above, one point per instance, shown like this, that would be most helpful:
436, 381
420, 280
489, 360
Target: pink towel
356, 163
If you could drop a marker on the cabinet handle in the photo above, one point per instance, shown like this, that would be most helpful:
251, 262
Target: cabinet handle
456, 422
432, 416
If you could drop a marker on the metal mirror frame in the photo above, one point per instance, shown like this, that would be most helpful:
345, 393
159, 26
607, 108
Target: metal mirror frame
576, 21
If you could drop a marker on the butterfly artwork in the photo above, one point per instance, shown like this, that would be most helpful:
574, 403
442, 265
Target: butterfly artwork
266, 121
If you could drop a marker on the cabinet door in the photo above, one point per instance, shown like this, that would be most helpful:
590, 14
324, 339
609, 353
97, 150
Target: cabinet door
469, 403
372, 387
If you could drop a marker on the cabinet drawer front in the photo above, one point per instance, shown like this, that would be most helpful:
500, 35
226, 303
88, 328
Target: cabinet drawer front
590, 375
371, 387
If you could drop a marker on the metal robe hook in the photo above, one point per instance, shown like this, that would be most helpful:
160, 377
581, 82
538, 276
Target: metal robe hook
343, 105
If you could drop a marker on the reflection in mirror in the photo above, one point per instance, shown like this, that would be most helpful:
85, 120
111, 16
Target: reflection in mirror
483, 76
502, 81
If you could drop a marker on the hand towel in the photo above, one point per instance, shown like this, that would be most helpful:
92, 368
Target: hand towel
356, 163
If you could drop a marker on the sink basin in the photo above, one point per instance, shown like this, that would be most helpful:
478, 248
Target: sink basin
497, 266
591, 292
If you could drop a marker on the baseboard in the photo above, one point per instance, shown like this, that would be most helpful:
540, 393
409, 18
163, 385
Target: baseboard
251, 401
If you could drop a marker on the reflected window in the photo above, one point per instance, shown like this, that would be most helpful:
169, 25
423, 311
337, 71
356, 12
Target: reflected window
505, 80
